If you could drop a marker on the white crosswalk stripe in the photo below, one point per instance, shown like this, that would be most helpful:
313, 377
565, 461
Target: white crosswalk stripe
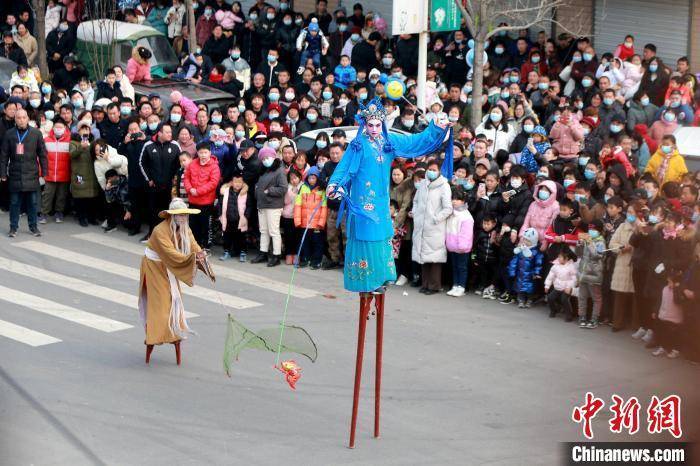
61, 311
74, 284
223, 272
25, 335
104, 266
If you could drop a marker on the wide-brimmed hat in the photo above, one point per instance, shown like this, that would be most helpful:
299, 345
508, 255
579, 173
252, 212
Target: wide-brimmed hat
177, 207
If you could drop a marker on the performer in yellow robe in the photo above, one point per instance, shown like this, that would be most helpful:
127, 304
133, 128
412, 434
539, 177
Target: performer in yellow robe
171, 257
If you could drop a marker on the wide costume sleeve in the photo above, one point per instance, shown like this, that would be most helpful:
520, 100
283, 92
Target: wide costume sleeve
184, 267
410, 146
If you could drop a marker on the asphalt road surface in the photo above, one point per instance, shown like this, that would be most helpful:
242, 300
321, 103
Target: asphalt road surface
466, 380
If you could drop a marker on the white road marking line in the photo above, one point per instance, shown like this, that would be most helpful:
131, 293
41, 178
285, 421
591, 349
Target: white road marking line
74, 284
224, 272
61, 311
129, 272
25, 335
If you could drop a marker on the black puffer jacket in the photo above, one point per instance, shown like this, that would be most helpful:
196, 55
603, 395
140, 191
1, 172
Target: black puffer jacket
22, 171
486, 251
159, 163
515, 210
271, 187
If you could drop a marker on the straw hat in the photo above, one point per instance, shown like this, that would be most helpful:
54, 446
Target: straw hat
177, 207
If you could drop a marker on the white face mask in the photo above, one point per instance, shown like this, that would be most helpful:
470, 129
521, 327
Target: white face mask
516, 183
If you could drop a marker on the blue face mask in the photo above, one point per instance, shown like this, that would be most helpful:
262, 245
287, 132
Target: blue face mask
587, 82
568, 182
575, 59
274, 96
631, 218
695, 217
327, 95
589, 174
582, 161
606, 198
495, 117
587, 57
240, 134
535, 60
593, 234
650, 195
268, 161
45, 89
49, 114
321, 144
653, 219
143, 125
432, 175
675, 104
153, 126
653, 67
175, 117
644, 101
514, 79
216, 119
608, 101
528, 128
312, 117
580, 198
543, 195
666, 149
543, 86
615, 129
219, 143
668, 116
235, 56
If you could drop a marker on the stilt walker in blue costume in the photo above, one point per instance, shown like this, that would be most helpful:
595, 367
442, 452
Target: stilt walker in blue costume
361, 181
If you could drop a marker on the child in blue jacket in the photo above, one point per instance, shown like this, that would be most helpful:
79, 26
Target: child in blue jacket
345, 74
525, 267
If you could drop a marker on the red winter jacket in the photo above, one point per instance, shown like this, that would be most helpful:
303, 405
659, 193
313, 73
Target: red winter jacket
58, 154
203, 178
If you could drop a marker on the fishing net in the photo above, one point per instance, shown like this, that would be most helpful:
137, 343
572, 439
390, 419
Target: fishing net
294, 340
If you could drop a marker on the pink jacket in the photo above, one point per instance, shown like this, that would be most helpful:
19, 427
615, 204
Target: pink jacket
541, 214
190, 109
137, 72
242, 197
661, 128
567, 138
226, 19
459, 232
669, 311
562, 276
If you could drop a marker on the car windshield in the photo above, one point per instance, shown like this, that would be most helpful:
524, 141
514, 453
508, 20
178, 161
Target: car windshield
163, 53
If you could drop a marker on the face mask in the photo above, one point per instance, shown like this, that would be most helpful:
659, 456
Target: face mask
408, 123
327, 95
593, 234
287, 22
606, 198
666, 149
576, 59
321, 144
631, 218
615, 129
653, 219
516, 183
580, 198
582, 161
675, 104
415, 185
143, 126
342, 28
453, 118
499, 50
253, 16
467, 89
298, 21
271, 58
270, 16
35, 103
78, 103
543, 86
542, 174
608, 101
216, 119
586, 131
45, 89
589, 174
586, 82
505, 95
274, 115
543, 195
587, 57
218, 143
469, 100
431, 175
514, 79
653, 67
49, 114
153, 126
644, 101
273, 96
363, 96
528, 128
65, 100
373, 81
58, 132
268, 161
670, 117
195, 5
579, 105
274, 144
495, 117
125, 110
208, 13
535, 60
63, 27
312, 117
175, 117
235, 56
240, 134
568, 182
241, 108
556, 118
355, 37
387, 61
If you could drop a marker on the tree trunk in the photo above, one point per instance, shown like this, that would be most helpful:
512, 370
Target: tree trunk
477, 79
192, 33
39, 7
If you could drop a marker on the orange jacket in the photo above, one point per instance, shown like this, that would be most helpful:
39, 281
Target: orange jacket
304, 205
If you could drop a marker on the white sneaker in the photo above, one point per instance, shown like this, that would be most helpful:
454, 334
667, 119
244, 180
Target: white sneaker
639, 333
104, 224
452, 291
658, 351
648, 336
458, 291
673, 354
401, 281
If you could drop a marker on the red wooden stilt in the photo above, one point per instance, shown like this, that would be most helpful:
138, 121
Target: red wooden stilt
365, 303
149, 350
379, 305
177, 351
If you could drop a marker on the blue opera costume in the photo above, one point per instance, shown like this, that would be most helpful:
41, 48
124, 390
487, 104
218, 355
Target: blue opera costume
363, 179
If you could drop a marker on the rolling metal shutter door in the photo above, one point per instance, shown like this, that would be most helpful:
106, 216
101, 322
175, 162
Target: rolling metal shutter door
664, 23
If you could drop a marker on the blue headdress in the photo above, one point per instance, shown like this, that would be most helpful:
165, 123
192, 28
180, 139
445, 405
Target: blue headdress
374, 110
